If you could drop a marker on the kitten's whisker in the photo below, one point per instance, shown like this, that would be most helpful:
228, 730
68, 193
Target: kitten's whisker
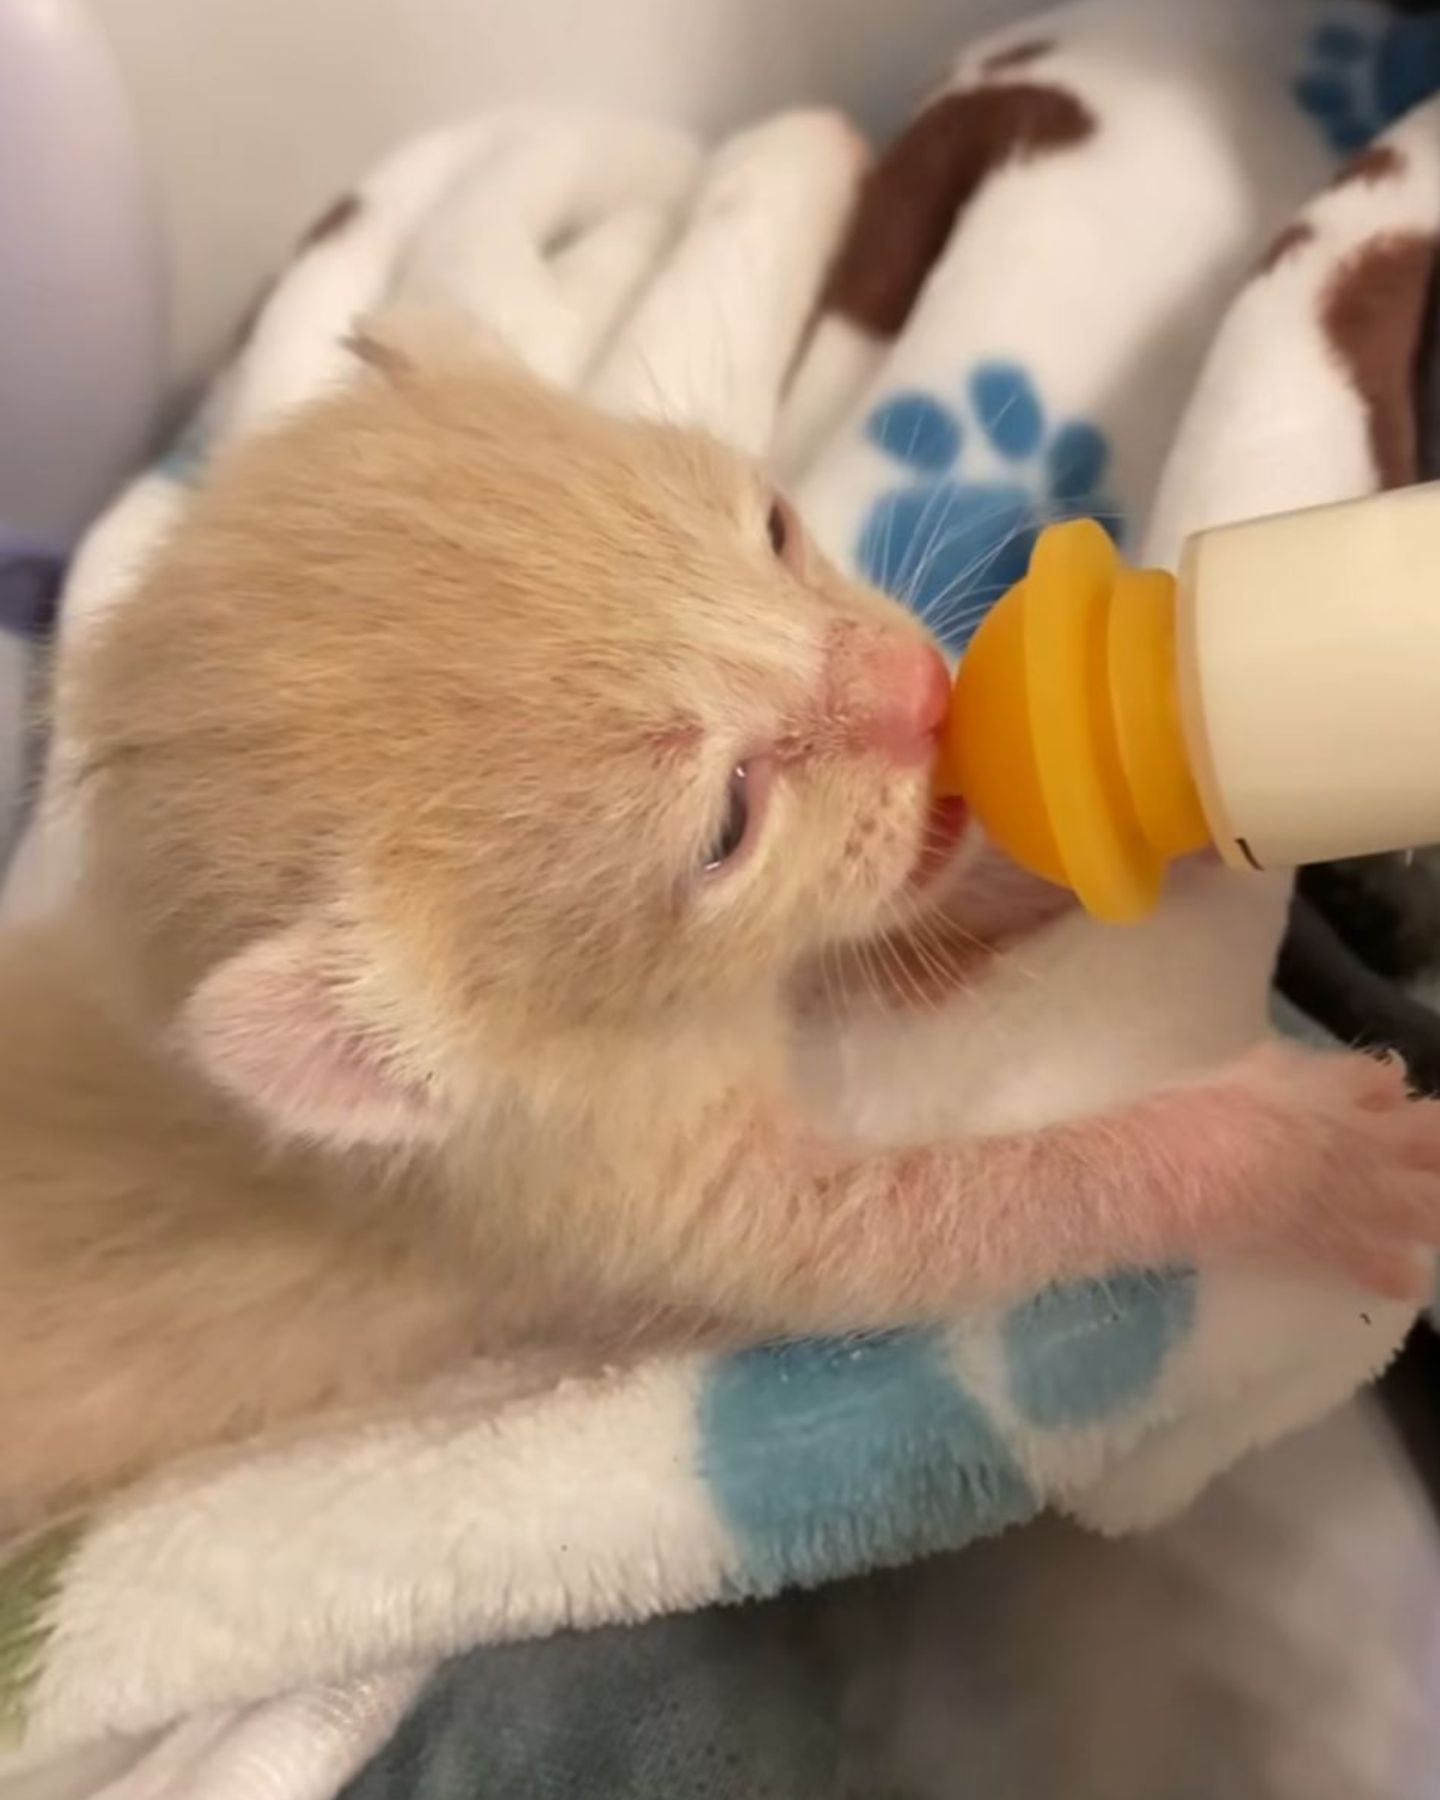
906, 980
962, 598
967, 525
947, 970
909, 577
917, 557
873, 981
972, 521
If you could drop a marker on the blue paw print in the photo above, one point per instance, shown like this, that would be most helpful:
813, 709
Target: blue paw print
828, 1455
1360, 76
949, 544
1079, 1353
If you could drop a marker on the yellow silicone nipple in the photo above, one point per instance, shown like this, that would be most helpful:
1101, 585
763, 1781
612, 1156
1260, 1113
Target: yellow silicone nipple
1064, 733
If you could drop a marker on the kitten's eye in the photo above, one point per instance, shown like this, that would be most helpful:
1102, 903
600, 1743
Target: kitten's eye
784, 532
778, 526
736, 826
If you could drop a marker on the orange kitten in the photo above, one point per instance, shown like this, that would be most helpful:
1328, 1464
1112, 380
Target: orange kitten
467, 784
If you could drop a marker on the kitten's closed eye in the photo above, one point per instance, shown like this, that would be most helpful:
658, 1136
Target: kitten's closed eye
744, 805
786, 534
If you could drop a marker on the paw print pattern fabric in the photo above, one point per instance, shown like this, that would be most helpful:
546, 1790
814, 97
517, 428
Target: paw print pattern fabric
1036, 309
977, 479
1363, 69
1117, 266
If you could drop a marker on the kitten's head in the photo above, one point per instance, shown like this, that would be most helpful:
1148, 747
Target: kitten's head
458, 719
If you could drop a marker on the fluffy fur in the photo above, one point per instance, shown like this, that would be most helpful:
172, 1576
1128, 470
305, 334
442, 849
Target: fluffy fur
427, 993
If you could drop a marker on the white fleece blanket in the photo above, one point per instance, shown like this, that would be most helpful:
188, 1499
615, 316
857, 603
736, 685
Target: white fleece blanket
1109, 268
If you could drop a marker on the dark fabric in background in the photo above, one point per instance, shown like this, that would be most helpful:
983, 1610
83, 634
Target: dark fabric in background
735, 1703
1364, 935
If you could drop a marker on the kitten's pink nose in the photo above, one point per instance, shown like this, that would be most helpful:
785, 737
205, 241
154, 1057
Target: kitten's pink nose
911, 689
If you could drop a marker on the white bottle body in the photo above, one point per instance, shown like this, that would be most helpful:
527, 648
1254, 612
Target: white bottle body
1309, 674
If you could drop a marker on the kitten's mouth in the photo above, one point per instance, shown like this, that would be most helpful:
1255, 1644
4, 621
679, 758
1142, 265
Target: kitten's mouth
945, 826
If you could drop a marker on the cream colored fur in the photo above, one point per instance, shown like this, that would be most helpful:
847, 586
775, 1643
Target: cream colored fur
398, 1015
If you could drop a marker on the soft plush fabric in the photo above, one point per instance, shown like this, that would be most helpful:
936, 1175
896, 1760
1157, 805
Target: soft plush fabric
1109, 268
1277, 1642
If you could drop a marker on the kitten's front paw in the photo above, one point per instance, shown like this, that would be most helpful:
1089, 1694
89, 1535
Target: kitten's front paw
1354, 1167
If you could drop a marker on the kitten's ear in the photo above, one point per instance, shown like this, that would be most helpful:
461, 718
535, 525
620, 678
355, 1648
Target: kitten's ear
272, 1028
412, 335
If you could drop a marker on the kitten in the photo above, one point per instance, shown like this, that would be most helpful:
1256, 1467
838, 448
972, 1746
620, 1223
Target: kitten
468, 786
